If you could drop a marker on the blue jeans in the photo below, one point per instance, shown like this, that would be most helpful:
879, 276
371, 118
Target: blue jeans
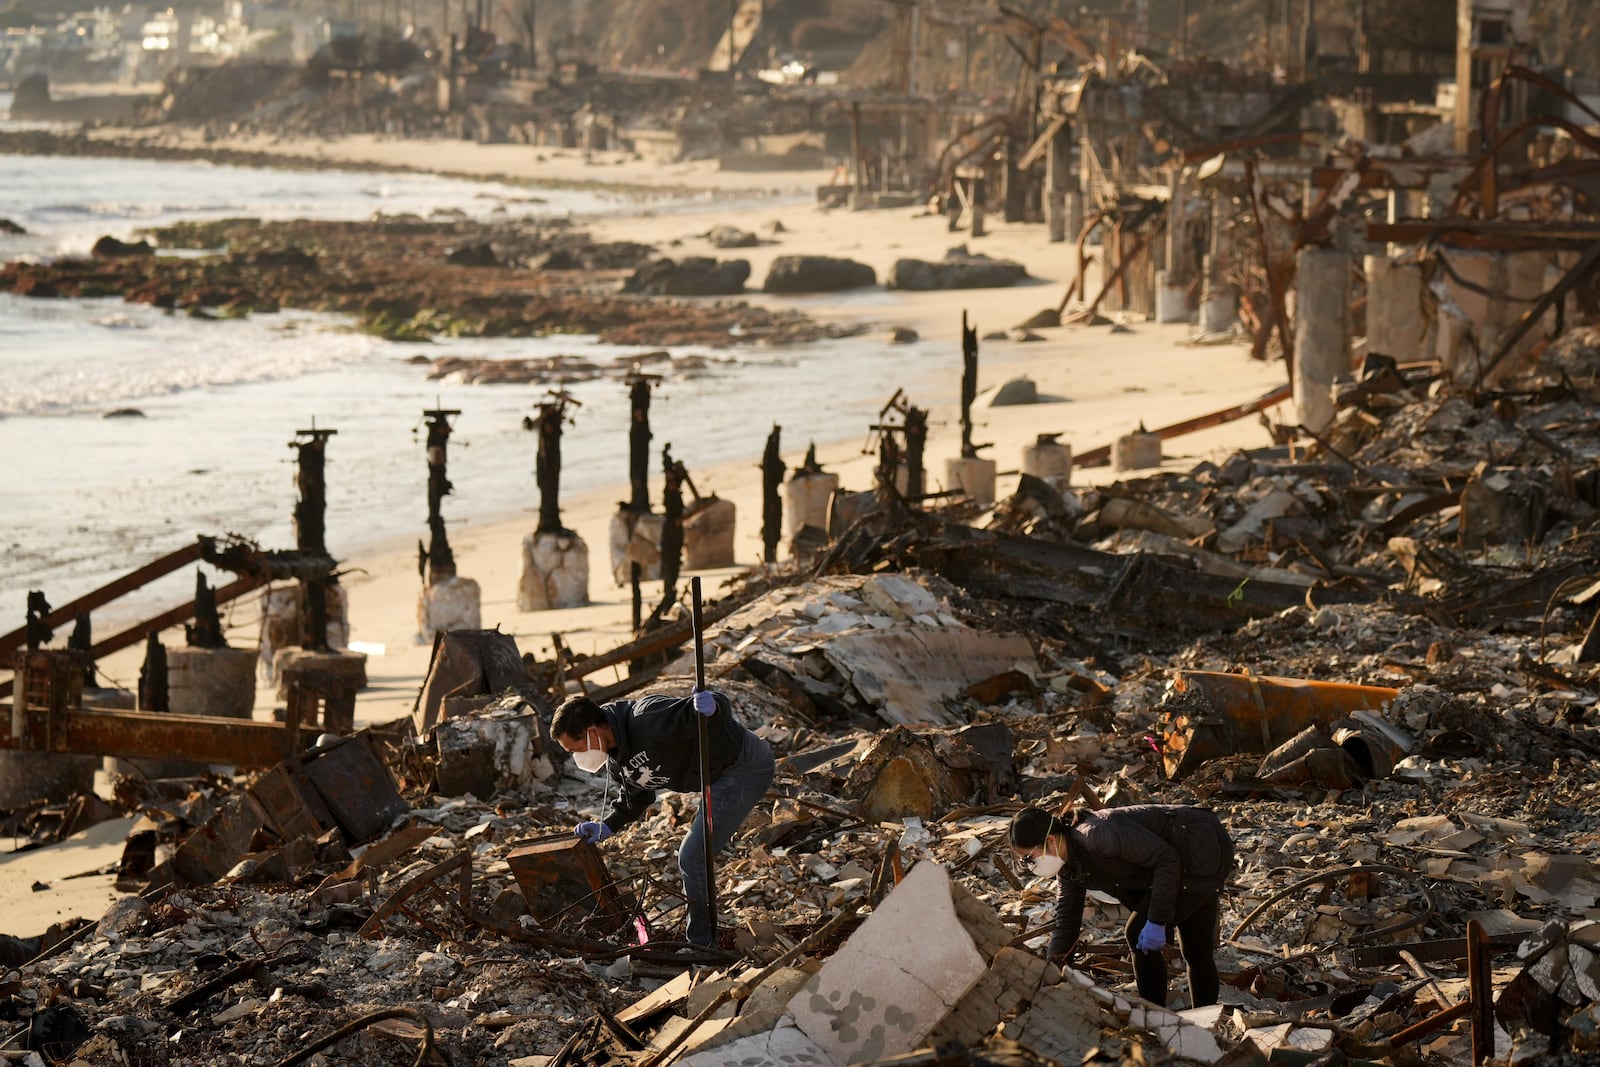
733, 796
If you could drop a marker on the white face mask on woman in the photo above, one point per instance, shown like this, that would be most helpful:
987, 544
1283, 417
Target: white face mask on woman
592, 759
1045, 865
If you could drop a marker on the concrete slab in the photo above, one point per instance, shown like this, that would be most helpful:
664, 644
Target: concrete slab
896, 977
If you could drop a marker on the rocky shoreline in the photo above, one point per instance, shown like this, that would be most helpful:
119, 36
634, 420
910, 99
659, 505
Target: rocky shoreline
406, 278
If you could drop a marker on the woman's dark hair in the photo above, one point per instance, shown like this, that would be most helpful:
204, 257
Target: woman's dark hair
574, 718
1031, 825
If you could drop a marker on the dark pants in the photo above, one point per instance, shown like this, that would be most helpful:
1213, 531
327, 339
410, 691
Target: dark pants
733, 795
1195, 917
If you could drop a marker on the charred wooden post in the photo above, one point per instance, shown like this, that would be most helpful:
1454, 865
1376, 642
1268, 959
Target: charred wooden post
969, 384
310, 516
547, 470
639, 386
635, 532
437, 558
153, 675
969, 473
82, 640
555, 561
206, 630
916, 431
638, 596
772, 468
674, 475
37, 632
900, 447
447, 601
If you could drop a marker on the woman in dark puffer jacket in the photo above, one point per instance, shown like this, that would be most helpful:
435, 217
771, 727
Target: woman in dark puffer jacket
1166, 863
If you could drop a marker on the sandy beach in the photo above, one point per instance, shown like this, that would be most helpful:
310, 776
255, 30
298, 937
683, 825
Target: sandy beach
1096, 383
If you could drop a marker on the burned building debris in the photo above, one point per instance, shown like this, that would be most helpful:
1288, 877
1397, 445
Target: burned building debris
1371, 647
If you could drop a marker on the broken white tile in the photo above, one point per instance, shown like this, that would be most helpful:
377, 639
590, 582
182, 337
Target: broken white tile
1194, 1043
895, 978
1206, 1018
1267, 1038
1311, 1039
785, 1044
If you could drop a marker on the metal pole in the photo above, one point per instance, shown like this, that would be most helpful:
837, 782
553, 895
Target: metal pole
705, 755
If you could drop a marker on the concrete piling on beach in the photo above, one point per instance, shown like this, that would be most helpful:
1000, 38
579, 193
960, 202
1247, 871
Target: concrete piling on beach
973, 476
555, 561
447, 600
555, 572
708, 531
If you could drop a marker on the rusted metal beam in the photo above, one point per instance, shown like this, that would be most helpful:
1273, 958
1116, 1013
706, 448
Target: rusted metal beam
134, 579
184, 612
1490, 233
655, 641
138, 734
1581, 272
1098, 457
1480, 988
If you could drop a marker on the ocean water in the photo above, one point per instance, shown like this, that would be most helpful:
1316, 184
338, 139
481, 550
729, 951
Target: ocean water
86, 498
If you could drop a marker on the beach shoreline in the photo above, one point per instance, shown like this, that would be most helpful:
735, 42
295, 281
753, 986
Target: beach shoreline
1097, 382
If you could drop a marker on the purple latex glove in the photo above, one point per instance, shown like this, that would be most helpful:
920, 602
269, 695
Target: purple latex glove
705, 702
592, 832
1153, 938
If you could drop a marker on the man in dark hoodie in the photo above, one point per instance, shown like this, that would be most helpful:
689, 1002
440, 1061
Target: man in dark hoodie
1166, 863
654, 743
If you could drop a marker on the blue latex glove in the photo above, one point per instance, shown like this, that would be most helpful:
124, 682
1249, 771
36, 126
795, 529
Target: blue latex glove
1153, 938
705, 702
592, 832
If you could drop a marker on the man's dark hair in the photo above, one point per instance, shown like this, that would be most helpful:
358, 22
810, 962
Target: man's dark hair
1031, 825
575, 717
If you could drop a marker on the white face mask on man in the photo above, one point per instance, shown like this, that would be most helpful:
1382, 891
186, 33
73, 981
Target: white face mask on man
592, 759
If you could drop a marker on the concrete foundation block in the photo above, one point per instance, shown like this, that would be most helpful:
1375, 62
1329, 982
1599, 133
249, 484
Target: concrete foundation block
1321, 333
1395, 322
1473, 321
635, 539
806, 499
1136, 451
555, 572
453, 603
1172, 300
211, 681
975, 477
1050, 460
1219, 303
280, 623
708, 535
845, 508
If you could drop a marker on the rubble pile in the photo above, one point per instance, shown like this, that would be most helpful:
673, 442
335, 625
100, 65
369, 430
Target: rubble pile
1389, 699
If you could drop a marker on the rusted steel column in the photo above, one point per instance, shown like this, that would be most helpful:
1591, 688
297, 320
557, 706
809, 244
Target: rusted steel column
1480, 986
